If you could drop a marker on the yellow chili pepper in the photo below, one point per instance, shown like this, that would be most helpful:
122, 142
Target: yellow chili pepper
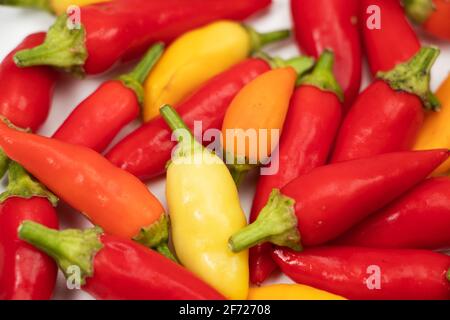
205, 211
290, 292
198, 56
54, 6
435, 133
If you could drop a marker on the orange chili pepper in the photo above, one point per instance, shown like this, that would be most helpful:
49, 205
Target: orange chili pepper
108, 196
258, 111
433, 15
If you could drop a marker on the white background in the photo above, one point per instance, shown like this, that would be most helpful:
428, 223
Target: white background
15, 24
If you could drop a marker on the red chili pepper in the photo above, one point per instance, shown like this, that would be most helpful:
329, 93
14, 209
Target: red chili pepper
369, 274
328, 201
98, 119
25, 273
311, 124
114, 268
388, 115
388, 37
332, 24
145, 151
418, 220
26, 94
122, 29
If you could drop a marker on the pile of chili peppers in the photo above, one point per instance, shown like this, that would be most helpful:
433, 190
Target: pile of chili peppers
353, 196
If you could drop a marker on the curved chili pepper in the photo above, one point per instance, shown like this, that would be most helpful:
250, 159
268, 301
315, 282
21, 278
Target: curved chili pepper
200, 229
328, 201
435, 132
26, 94
114, 268
418, 220
146, 151
388, 115
123, 29
53, 6
311, 124
369, 274
96, 121
290, 292
197, 56
106, 195
261, 106
25, 199
432, 15
383, 26
333, 25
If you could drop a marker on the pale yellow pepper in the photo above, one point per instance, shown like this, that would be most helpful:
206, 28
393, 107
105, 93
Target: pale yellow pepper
198, 56
290, 292
205, 211
54, 6
435, 133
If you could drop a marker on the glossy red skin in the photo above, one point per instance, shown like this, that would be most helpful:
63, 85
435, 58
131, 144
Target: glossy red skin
394, 43
405, 274
380, 121
146, 151
126, 270
123, 29
418, 220
26, 93
332, 24
311, 124
332, 199
98, 119
25, 272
